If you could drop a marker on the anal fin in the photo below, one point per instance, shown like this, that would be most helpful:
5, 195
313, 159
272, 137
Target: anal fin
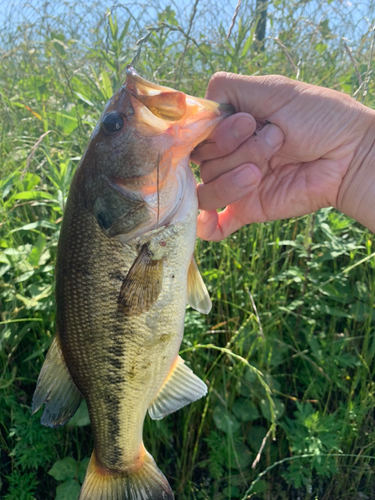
56, 389
181, 387
198, 297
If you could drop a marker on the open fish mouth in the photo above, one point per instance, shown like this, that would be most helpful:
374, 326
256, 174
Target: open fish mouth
159, 107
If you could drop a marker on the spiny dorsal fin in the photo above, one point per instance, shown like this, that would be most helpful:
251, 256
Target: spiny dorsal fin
56, 389
142, 285
198, 297
181, 387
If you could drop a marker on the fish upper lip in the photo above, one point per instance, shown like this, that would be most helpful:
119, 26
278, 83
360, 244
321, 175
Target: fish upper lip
133, 78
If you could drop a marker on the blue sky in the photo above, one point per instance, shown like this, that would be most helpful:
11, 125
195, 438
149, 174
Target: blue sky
347, 18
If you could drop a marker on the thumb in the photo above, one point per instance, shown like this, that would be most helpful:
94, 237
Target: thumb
261, 96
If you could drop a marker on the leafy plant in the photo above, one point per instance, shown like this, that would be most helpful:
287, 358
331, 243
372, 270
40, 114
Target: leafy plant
313, 434
72, 474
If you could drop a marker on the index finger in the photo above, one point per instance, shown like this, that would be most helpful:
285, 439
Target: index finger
226, 138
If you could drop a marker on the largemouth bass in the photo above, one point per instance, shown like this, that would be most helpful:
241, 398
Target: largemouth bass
125, 271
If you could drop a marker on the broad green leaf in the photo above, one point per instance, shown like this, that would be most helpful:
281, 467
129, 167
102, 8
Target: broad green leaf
241, 456
279, 409
255, 437
33, 302
245, 410
4, 269
322, 308
24, 277
81, 416
82, 468
4, 259
232, 492
259, 487
225, 420
64, 469
69, 490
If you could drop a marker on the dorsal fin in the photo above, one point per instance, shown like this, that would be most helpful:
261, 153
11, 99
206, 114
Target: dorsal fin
198, 297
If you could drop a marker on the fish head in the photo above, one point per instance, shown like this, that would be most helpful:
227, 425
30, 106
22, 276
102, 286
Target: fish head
133, 175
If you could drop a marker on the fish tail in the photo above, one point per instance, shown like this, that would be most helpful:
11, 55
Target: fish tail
146, 482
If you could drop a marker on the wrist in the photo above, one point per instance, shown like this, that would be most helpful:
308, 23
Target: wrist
356, 197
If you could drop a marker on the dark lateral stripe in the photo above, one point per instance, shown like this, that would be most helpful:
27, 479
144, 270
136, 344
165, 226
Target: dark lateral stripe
113, 359
115, 450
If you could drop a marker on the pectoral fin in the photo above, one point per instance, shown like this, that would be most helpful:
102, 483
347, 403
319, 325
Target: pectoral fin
180, 388
142, 285
56, 389
198, 297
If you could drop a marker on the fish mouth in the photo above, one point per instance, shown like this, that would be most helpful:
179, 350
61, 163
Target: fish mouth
159, 108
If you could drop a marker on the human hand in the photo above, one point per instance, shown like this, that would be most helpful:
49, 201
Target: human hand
314, 150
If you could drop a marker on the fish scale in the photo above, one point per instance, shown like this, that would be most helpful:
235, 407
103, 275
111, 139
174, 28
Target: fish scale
125, 271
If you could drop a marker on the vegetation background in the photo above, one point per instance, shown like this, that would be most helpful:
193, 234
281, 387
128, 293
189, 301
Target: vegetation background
288, 349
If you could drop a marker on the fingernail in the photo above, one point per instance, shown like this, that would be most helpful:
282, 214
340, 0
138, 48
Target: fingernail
204, 216
242, 127
274, 136
245, 177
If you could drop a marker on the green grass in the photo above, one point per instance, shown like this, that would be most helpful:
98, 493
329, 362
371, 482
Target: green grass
288, 349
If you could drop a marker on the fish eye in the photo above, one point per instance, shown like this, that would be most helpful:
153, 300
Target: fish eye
112, 123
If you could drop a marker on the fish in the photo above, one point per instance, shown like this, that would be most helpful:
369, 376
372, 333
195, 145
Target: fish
125, 271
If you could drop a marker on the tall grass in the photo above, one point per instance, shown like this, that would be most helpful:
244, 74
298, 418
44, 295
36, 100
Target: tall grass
288, 350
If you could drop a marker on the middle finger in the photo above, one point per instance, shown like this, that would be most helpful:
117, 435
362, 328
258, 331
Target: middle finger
258, 149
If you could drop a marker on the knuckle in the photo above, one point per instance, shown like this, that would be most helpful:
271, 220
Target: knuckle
277, 80
207, 197
204, 173
219, 191
222, 81
217, 78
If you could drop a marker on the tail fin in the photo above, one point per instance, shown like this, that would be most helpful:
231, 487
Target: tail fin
146, 483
